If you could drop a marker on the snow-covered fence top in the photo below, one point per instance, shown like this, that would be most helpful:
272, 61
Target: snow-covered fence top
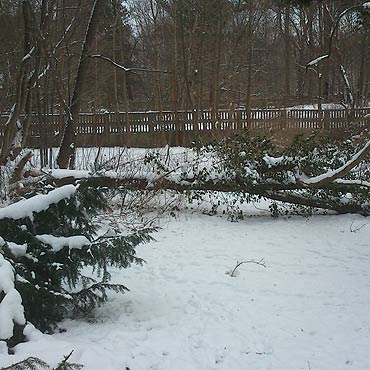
151, 128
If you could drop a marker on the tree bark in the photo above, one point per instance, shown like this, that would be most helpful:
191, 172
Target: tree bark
21, 92
287, 48
249, 62
66, 155
279, 192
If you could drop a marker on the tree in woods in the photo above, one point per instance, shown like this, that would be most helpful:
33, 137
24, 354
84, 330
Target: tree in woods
66, 156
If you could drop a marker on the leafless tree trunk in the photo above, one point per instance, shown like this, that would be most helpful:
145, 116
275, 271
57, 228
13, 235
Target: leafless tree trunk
364, 72
287, 43
66, 155
16, 129
249, 61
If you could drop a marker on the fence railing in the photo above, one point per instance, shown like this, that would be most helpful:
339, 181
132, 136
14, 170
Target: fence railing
180, 128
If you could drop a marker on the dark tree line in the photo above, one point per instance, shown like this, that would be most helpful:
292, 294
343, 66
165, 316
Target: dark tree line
190, 53
62, 37
250, 52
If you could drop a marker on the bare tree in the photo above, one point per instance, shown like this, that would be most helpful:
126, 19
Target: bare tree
66, 156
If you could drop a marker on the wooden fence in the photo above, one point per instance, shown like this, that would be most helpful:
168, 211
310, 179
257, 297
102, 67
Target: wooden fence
150, 129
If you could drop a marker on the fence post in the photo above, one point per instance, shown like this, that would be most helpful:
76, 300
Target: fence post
238, 120
248, 122
284, 119
106, 129
321, 118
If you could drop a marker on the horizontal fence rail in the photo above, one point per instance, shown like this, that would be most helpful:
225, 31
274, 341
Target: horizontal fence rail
153, 128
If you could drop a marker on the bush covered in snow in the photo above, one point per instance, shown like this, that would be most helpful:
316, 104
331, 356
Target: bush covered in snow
46, 242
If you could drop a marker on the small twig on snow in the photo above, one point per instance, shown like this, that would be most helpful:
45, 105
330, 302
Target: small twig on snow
261, 262
355, 229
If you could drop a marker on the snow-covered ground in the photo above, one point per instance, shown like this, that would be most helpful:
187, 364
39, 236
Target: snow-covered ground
308, 309
324, 106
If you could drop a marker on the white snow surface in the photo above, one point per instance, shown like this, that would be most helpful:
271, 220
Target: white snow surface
57, 243
324, 106
41, 202
308, 309
11, 309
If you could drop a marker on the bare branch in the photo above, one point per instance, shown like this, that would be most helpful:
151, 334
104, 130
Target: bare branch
127, 69
333, 30
261, 262
357, 228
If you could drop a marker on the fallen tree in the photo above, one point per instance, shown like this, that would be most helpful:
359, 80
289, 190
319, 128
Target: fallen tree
310, 173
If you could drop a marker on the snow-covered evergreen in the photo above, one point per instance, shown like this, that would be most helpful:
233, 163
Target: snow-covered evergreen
46, 243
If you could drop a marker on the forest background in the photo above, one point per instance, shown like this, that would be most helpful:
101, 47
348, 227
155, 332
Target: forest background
188, 54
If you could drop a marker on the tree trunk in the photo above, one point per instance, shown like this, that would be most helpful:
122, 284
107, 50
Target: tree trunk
326, 32
360, 94
287, 48
249, 63
66, 155
21, 93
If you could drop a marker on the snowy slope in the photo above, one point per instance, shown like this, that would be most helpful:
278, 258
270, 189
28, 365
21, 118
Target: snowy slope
309, 309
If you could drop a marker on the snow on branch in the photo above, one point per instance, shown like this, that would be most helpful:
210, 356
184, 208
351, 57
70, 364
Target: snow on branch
316, 61
126, 69
11, 309
333, 30
41, 202
60, 173
332, 175
346, 82
365, 184
28, 55
58, 243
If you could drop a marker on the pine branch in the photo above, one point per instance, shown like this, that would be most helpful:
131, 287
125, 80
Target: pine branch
65, 365
31, 363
